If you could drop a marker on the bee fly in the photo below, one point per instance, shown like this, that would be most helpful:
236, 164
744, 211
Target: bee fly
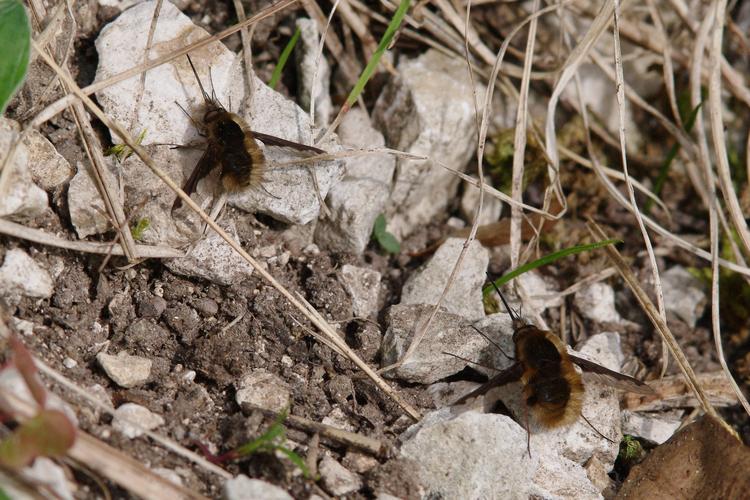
552, 388
232, 146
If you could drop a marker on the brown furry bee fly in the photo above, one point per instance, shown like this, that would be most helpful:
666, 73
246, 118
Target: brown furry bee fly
231, 145
552, 388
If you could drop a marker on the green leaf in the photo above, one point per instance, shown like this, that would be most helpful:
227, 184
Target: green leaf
547, 259
296, 460
141, 226
385, 42
379, 227
15, 40
389, 243
283, 58
266, 440
123, 151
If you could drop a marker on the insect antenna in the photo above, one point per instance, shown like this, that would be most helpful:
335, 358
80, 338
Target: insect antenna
206, 97
595, 429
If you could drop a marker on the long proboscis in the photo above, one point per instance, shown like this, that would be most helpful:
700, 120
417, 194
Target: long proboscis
513, 314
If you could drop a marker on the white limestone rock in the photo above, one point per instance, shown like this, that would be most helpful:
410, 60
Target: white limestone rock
49, 169
244, 488
429, 362
212, 259
87, 211
428, 109
311, 68
684, 295
263, 389
465, 295
363, 286
22, 276
22, 198
362, 195
125, 370
337, 479
131, 420
289, 195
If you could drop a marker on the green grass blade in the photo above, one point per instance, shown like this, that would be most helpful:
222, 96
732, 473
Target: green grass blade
15, 40
296, 460
283, 58
385, 42
547, 259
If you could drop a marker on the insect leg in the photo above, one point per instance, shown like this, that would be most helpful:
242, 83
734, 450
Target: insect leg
595, 429
480, 332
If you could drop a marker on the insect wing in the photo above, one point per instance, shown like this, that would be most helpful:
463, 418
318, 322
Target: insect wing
272, 140
207, 162
612, 378
511, 374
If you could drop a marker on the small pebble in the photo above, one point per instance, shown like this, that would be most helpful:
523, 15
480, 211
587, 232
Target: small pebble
125, 370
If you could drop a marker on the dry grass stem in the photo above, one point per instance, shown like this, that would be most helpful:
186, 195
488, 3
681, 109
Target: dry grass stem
672, 392
661, 326
631, 193
43, 238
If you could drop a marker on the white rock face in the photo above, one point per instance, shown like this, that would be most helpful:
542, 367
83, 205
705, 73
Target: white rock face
48, 168
683, 295
121, 44
87, 211
602, 99
460, 457
45, 473
337, 479
244, 488
427, 110
357, 200
363, 286
597, 303
20, 275
655, 427
263, 389
428, 363
125, 370
131, 420
465, 296
22, 198
213, 259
